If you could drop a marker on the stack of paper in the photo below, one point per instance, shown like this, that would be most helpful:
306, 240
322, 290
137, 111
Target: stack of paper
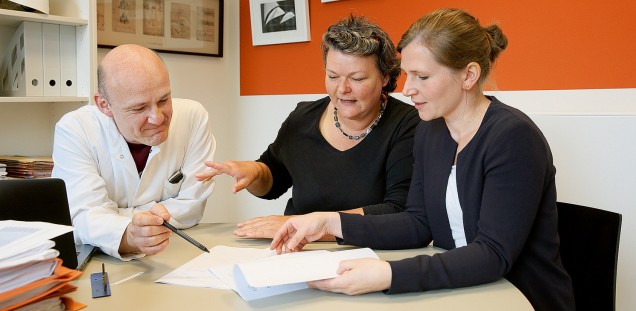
259, 273
27, 167
31, 275
3, 171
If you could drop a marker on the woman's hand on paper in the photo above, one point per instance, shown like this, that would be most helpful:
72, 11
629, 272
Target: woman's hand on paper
260, 227
297, 231
358, 276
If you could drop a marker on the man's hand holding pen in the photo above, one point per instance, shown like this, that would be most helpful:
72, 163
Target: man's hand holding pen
145, 233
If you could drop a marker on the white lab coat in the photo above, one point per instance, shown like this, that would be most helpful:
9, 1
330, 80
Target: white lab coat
103, 186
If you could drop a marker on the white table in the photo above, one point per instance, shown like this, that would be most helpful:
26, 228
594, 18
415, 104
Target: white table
142, 293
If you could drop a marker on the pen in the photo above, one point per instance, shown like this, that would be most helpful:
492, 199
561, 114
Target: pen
176, 177
185, 236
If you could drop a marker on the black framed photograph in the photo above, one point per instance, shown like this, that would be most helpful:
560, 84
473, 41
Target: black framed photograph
174, 26
279, 21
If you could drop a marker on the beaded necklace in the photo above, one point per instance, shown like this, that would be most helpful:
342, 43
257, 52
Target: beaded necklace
365, 132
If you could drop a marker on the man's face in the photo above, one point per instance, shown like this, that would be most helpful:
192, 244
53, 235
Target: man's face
144, 122
140, 106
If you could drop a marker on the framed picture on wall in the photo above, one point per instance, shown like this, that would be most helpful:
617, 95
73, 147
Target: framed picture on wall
175, 26
275, 22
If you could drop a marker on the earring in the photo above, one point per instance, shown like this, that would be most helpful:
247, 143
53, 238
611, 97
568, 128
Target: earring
466, 86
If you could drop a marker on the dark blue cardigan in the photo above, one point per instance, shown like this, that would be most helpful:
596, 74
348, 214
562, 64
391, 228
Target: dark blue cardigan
506, 186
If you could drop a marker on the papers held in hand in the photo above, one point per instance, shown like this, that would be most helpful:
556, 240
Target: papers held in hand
289, 272
258, 272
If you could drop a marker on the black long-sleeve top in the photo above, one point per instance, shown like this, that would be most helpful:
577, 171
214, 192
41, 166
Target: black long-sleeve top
375, 174
506, 186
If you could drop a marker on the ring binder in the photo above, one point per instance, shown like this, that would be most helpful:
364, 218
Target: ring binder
51, 58
68, 61
23, 62
41, 60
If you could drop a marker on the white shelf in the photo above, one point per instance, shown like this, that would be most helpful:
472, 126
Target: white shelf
27, 124
14, 18
43, 99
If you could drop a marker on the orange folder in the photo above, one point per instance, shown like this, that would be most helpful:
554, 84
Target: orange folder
54, 286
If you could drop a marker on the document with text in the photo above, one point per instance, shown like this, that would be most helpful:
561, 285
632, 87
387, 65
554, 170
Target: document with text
19, 239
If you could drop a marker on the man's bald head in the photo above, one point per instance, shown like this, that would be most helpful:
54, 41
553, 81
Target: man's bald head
128, 62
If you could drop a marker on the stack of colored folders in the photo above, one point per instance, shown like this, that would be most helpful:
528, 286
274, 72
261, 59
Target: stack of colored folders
31, 275
27, 167
3, 171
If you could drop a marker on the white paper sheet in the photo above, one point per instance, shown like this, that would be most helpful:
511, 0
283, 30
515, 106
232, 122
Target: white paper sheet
44, 254
198, 271
248, 292
24, 274
290, 272
226, 272
22, 238
257, 273
25, 252
298, 267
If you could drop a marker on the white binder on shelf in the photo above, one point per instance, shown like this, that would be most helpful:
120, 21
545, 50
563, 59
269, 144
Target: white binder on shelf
68, 61
22, 74
51, 58
5, 82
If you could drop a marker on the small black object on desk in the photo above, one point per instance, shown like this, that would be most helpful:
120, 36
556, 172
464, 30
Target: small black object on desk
100, 285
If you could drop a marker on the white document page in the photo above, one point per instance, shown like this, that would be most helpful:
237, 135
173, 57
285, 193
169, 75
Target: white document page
194, 273
250, 293
198, 272
226, 272
290, 272
25, 252
24, 274
22, 238
42, 251
257, 273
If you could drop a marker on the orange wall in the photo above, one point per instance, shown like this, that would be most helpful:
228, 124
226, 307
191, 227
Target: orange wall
563, 44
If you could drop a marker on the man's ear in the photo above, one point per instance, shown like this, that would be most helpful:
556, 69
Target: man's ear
102, 104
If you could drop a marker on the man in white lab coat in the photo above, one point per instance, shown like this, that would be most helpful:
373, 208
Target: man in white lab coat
129, 160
